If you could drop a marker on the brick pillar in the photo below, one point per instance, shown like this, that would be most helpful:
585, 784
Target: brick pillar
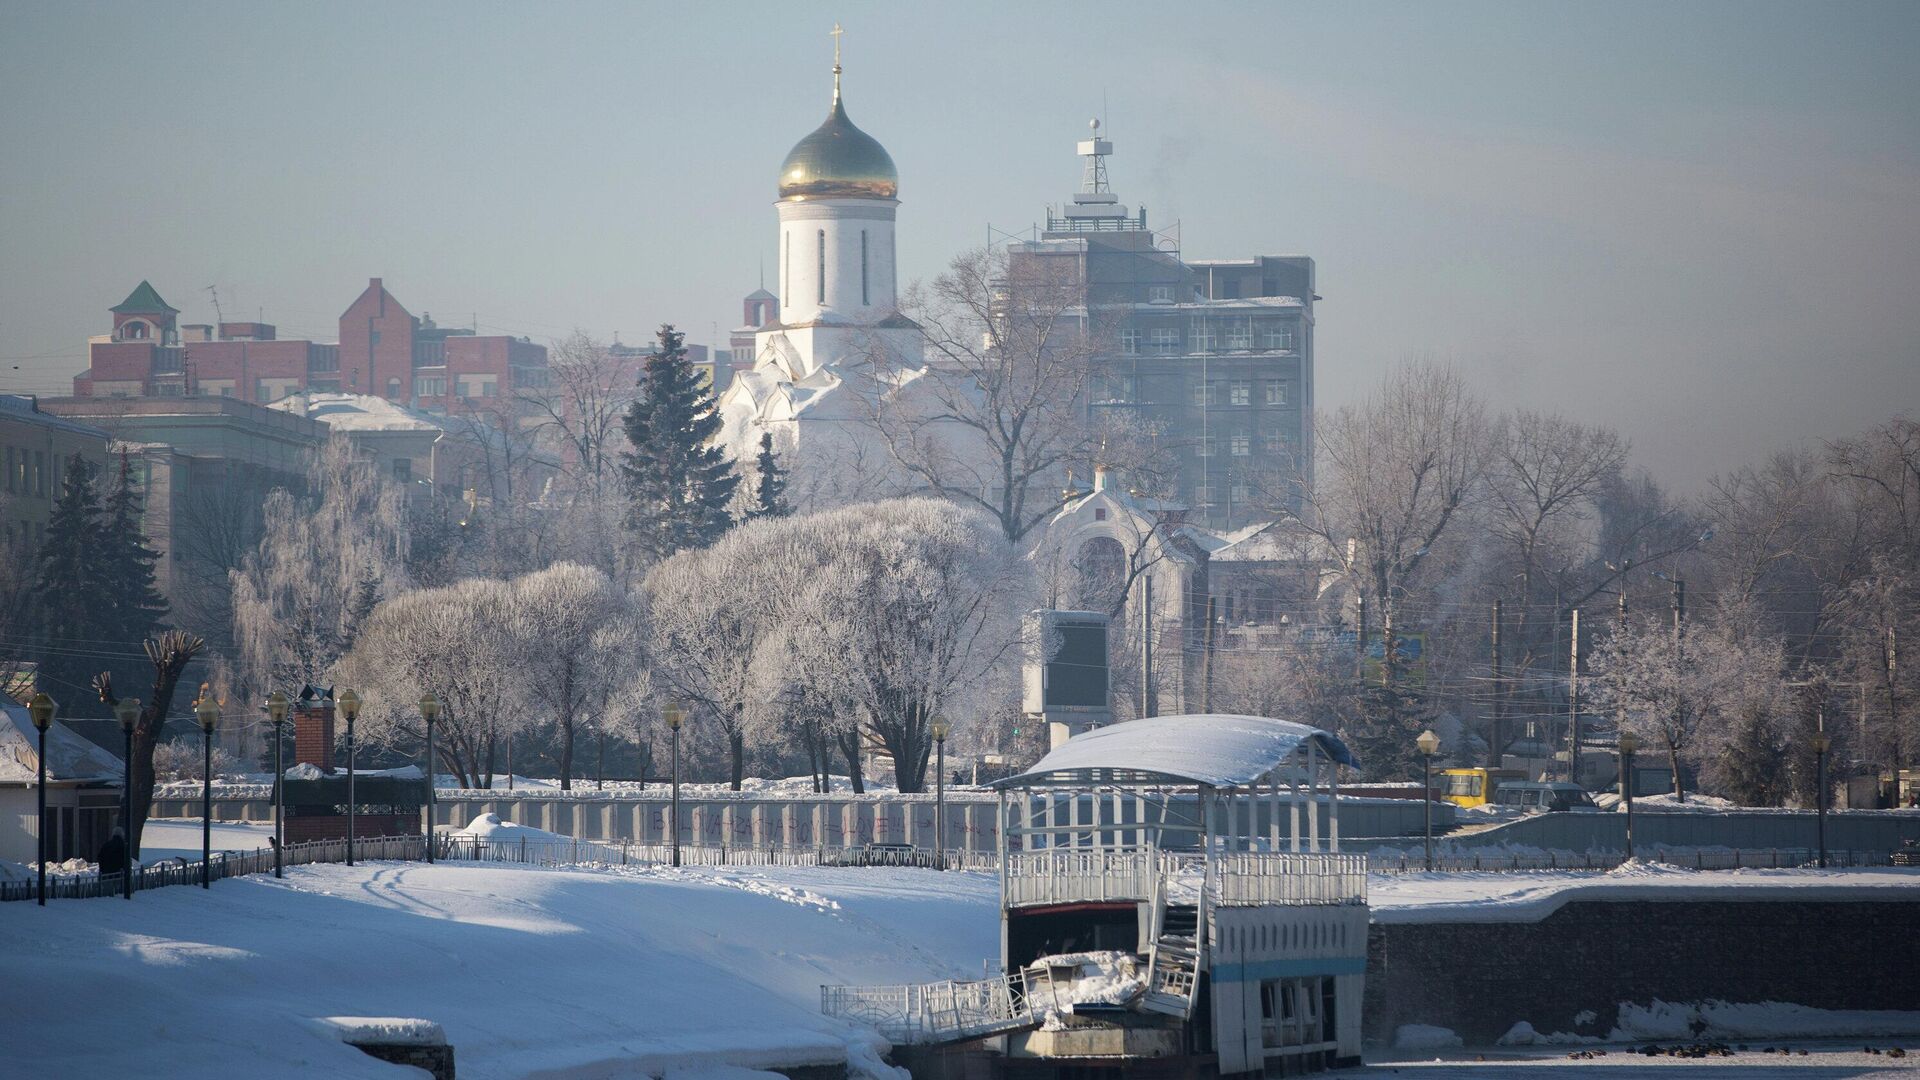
313, 733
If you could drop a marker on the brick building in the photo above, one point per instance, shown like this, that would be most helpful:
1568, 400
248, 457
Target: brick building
383, 349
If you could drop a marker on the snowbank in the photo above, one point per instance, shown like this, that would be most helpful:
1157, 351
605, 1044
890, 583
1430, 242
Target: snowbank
391, 1030
527, 971
1099, 978
1424, 1037
493, 827
1766, 1019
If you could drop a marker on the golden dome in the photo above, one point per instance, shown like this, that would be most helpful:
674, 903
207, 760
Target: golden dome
838, 161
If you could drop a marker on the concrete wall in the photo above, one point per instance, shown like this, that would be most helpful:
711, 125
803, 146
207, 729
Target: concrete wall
1868, 830
1480, 978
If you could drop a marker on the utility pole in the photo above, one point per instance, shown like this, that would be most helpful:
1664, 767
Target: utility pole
1206, 661
1495, 746
1679, 663
1573, 701
1146, 645
1360, 650
1893, 709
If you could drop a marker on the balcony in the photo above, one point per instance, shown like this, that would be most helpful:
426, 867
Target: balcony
1035, 879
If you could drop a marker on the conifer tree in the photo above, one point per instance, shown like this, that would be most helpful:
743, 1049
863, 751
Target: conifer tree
679, 483
770, 487
127, 563
71, 589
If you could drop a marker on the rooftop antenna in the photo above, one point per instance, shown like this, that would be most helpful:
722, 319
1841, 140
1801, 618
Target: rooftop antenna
836, 62
215, 293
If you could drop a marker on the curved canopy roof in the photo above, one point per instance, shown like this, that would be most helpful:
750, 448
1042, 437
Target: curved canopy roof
1210, 748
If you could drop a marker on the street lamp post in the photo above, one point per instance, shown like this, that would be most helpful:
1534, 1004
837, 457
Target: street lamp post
349, 704
1429, 744
1821, 744
208, 711
675, 716
429, 711
1628, 744
940, 729
277, 705
127, 711
41, 710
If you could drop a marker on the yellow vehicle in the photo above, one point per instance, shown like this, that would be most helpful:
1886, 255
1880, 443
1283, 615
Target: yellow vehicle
1474, 787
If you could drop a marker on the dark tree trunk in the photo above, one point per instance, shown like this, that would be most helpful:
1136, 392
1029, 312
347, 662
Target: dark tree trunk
850, 749
1673, 762
566, 753
492, 745
170, 653
737, 751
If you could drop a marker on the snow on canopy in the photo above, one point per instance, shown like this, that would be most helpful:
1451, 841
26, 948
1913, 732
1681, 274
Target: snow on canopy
1216, 749
69, 756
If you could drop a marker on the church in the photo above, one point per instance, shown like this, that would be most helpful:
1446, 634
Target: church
839, 348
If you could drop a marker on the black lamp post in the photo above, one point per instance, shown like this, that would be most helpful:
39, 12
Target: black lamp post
675, 716
1628, 744
208, 712
349, 705
1821, 744
1429, 744
277, 705
940, 729
127, 711
429, 711
41, 710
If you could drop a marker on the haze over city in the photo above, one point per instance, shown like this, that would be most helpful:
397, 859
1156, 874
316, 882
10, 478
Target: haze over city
1695, 222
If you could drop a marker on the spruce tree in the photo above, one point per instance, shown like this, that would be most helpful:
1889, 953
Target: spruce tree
137, 606
678, 482
71, 589
770, 486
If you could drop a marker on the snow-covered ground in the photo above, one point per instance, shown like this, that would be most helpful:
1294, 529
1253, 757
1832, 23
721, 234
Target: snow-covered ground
1820, 1061
574, 973
1528, 896
167, 838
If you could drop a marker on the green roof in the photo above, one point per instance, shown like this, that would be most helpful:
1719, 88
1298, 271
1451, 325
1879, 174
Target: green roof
142, 301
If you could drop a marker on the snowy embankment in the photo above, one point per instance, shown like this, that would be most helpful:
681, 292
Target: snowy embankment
554, 973
1529, 896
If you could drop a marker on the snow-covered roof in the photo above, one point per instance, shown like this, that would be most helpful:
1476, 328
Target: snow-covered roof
1217, 749
357, 412
70, 756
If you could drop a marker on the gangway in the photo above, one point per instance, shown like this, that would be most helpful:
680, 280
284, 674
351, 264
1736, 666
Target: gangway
931, 1014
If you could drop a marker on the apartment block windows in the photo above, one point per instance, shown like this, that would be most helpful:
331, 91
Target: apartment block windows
1205, 338
864, 302
1242, 445
1205, 447
1239, 335
1276, 336
1116, 389
1237, 491
1130, 341
1206, 393
1165, 339
1159, 294
40, 473
1276, 392
1240, 392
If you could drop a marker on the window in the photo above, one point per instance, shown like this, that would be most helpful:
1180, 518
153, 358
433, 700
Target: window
393, 388
403, 470
375, 340
10, 468
1274, 445
1205, 393
1276, 392
226, 391
434, 386
1130, 341
1242, 445
1205, 447
1238, 493
1203, 495
1276, 335
1240, 392
1116, 388
863, 269
1239, 336
1159, 294
1204, 337
786, 263
134, 330
821, 286
1166, 339
40, 472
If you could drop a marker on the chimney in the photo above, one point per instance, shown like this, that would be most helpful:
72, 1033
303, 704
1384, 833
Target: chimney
313, 728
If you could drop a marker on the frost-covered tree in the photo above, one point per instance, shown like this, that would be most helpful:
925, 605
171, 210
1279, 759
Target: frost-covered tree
678, 481
576, 637
706, 625
1700, 694
458, 642
916, 610
324, 560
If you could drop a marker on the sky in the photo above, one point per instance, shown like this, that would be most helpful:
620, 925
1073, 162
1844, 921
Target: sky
1698, 223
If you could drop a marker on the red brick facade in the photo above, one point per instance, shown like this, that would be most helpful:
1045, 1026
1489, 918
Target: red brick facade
383, 350
313, 733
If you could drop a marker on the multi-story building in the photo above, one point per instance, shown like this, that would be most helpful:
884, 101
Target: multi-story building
383, 349
1215, 354
37, 446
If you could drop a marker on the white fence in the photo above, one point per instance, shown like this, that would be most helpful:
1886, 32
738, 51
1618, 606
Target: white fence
1055, 877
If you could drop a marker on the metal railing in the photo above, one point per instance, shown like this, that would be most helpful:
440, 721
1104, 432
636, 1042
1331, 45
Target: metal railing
1495, 860
563, 850
224, 864
1055, 877
942, 1012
